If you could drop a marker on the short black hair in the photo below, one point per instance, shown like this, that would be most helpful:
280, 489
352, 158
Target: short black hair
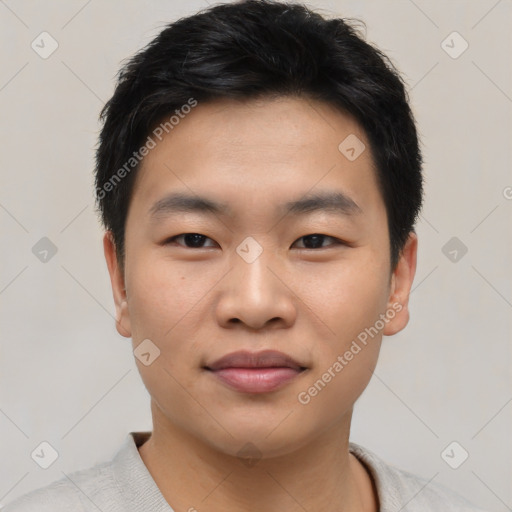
255, 49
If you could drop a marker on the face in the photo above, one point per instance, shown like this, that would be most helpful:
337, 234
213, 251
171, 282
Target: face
295, 259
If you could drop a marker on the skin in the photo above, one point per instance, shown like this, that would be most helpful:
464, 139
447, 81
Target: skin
198, 303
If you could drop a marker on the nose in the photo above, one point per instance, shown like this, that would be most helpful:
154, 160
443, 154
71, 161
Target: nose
256, 294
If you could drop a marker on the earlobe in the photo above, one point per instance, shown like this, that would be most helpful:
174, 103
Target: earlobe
123, 320
401, 283
118, 286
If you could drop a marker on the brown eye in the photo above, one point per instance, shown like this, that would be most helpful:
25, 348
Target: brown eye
315, 241
191, 240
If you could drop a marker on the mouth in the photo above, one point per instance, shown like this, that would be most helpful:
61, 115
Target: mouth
256, 372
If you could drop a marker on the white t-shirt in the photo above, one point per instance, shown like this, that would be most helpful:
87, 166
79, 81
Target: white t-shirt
124, 484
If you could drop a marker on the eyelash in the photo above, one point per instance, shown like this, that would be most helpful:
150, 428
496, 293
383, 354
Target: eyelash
337, 241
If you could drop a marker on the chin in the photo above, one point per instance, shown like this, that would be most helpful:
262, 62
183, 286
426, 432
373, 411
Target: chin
263, 438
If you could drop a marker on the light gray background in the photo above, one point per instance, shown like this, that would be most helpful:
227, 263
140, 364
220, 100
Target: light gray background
68, 378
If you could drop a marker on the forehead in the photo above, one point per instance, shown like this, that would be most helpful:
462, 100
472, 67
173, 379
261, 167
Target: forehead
258, 152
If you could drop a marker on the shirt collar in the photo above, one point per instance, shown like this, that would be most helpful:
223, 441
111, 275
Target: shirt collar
141, 493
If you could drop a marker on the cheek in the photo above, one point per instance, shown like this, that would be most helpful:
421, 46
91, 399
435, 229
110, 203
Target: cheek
349, 301
162, 310
334, 387
347, 297
163, 295
166, 307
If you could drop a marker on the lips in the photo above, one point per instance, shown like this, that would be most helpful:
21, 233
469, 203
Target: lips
264, 359
259, 372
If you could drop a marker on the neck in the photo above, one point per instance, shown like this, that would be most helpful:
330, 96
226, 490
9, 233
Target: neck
321, 475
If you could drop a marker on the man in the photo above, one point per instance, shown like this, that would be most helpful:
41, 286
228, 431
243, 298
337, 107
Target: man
259, 177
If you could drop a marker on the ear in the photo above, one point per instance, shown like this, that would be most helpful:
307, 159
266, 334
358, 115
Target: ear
118, 286
401, 282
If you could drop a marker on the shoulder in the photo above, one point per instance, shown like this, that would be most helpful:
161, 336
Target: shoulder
401, 490
77, 492
115, 484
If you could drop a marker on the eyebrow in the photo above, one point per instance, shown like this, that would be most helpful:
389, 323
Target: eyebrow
328, 201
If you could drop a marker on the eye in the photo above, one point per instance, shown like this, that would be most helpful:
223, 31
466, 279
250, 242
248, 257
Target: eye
196, 241
192, 240
314, 241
